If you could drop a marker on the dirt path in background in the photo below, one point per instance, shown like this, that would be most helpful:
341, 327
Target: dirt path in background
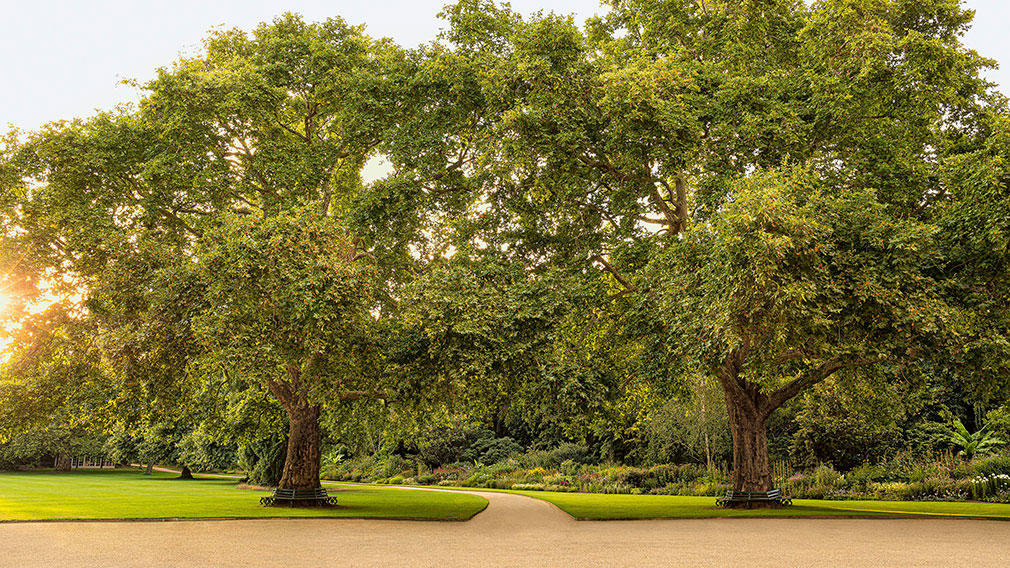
513, 531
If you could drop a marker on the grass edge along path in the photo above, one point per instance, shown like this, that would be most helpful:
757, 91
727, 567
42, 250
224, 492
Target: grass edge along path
611, 507
123, 495
625, 507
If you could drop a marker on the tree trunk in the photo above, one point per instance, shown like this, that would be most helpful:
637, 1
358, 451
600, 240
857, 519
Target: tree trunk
150, 467
185, 473
62, 462
751, 471
301, 463
301, 466
680, 205
748, 409
708, 455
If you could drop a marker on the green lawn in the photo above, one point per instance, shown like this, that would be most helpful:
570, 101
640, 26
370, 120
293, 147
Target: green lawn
611, 507
128, 494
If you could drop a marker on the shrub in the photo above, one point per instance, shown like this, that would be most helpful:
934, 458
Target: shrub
631, 476
683, 473
528, 486
711, 489
263, 459
962, 471
570, 452
502, 467
864, 475
479, 479
570, 467
893, 491
832, 431
451, 445
815, 491
533, 459
825, 475
494, 450
426, 479
995, 465
388, 466
203, 451
904, 467
925, 439
536, 473
449, 473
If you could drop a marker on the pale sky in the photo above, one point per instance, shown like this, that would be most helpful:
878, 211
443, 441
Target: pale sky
64, 59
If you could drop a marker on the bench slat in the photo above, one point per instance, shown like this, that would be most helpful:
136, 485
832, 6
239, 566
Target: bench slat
753, 496
290, 495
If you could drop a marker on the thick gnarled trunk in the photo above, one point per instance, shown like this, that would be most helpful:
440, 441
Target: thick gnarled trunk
301, 464
748, 410
301, 467
751, 469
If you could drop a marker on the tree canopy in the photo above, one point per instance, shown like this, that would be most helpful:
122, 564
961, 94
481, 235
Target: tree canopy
574, 219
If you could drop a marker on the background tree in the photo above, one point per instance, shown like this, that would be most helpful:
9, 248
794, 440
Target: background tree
55, 392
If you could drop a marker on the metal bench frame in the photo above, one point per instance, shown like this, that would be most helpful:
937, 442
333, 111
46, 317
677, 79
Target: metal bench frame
734, 497
292, 496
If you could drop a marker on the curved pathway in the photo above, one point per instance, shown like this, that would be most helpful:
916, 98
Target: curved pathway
513, 531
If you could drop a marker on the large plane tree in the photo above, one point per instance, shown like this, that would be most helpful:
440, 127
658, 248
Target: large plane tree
289, 300
120, 208
632, 152
787, 286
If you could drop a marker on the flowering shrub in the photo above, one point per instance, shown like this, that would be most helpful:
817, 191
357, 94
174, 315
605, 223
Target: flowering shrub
992, 487
900, 479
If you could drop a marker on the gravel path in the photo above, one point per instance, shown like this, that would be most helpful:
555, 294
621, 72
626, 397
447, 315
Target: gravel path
513, 531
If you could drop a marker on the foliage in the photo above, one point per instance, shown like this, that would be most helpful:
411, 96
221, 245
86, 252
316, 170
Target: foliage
693, 430
972, 444
263, 461
119, 208
289, 306
201, 451
54, 394
494, 450
40, 448
902, 477
450, 445
581, 232
833, 430
799, 284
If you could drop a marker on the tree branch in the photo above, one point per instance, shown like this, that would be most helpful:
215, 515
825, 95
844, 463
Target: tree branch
358, 395
617, 275
781, 395
664, 207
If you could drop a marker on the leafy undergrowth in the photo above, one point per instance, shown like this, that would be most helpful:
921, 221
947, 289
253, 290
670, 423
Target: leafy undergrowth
128, 494
616, 507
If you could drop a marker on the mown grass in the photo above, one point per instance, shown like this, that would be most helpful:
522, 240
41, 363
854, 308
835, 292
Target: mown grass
128, 494
594, 506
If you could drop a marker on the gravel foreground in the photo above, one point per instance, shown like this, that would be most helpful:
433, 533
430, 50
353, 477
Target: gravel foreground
513, 531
